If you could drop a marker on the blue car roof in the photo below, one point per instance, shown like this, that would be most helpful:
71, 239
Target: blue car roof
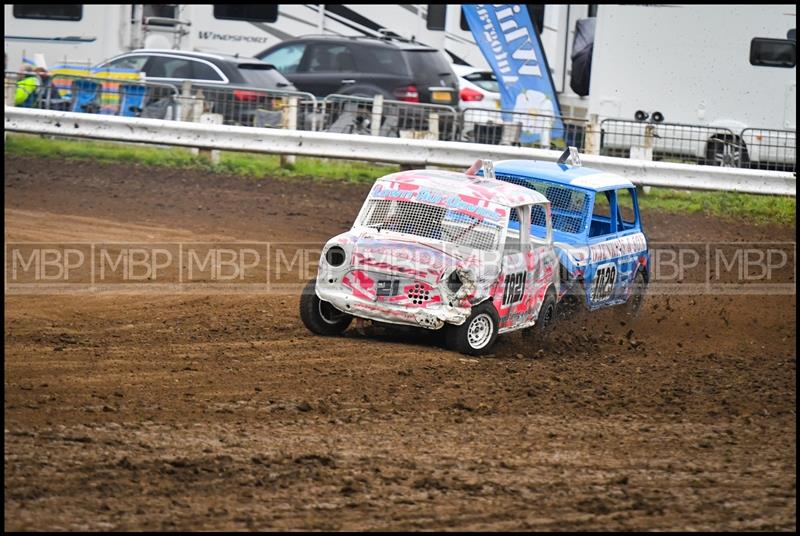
582, 177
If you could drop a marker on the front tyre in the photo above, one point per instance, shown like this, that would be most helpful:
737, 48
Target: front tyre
477, 334
319, 316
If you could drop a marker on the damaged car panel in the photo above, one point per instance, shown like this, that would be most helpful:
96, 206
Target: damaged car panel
430, 248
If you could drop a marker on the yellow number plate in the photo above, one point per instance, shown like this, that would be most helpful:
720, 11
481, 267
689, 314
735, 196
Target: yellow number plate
441, 96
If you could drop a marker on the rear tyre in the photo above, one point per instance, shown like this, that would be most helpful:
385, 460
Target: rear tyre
635, 301
477, 334
319, 316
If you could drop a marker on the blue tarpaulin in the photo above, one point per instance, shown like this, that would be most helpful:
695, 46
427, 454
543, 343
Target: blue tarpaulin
505, 35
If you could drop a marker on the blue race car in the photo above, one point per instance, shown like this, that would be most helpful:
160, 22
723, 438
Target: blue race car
597, 231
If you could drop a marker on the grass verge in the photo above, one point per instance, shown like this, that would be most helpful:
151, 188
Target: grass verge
730, 206
245, 164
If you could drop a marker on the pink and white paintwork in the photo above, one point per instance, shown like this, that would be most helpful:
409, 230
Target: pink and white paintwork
423, 279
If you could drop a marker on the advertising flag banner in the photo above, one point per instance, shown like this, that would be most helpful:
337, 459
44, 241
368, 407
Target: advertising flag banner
505, 35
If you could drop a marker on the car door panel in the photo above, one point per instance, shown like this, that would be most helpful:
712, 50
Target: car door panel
614, 257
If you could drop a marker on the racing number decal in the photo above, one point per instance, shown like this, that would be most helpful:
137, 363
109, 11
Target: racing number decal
388, 287
515, 288
604, 280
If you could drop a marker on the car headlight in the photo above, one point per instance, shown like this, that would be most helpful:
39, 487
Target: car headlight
460, 283
454, 282
335, 256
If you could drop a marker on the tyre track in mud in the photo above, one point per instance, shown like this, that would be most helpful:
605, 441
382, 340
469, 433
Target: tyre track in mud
215, 412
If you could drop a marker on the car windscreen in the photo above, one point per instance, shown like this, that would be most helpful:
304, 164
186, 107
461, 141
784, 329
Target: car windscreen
430, 67
484, 80
262, 76
436, 222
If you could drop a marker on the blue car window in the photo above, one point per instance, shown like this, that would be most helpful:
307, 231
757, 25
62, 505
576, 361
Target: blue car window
626, 209
602, 223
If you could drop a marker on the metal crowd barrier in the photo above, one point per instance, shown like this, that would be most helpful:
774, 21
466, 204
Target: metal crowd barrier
755, 148
771, 149
248, 106
90, 94
382, 117
670, 141
505, 127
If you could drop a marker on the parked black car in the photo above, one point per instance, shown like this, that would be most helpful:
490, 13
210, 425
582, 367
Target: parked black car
230, 84
365, 66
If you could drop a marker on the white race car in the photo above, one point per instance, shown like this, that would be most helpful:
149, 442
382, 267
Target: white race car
440, 250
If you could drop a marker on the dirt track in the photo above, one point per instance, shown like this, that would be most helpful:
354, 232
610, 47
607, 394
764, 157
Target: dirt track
221, 412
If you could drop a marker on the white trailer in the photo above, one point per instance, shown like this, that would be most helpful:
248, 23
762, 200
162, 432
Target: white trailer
731, 67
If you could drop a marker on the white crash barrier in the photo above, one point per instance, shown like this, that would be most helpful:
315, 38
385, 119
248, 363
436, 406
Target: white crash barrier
410, 152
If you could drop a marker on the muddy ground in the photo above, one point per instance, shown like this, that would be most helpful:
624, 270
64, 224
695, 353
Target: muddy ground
207, 411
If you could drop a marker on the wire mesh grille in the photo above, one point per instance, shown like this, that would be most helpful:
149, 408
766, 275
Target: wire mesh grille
537, 215
569, 205
429, 221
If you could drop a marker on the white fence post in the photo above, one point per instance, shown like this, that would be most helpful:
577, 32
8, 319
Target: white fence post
592, 145
184, 110
433, 126
288, 160
212, 155
377, 115
197, 108
645, 151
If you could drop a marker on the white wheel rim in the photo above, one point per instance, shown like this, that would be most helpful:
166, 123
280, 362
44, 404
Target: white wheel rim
480, 331
328, 313
727, 157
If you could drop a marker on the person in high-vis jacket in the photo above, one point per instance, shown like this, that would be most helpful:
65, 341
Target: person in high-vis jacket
28, 85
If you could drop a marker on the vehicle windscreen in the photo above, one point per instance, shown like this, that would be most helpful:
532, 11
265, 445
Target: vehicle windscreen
263, 76
484, 80
453, 225
569, 206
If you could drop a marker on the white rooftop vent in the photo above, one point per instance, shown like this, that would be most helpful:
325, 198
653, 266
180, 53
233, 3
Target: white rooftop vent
571, 156
488, 170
